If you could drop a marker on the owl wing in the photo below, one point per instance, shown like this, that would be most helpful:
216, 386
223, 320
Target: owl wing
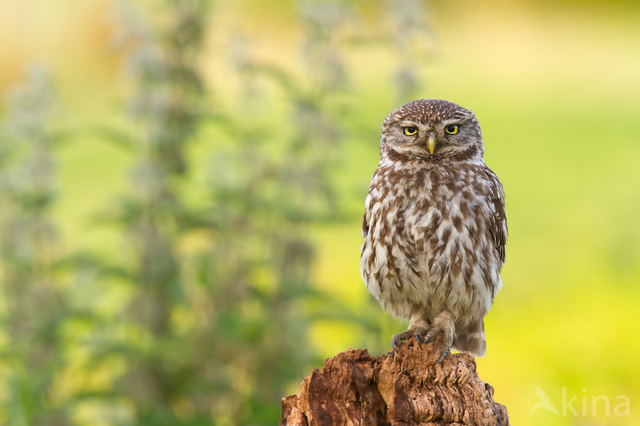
365, 225
365, 218
498, 224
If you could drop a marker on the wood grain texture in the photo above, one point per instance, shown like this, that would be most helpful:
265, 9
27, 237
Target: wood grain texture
354, 388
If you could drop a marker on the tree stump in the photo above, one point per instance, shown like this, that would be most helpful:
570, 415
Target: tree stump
354, 388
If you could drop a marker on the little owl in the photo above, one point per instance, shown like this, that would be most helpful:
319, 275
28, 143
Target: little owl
434, 225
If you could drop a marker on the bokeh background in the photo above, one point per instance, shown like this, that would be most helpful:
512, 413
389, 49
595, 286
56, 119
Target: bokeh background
182, 184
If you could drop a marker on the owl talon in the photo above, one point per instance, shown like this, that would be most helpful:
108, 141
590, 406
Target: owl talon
399, 338
396, 340
418, 337
445, 324
445, 354
431, 335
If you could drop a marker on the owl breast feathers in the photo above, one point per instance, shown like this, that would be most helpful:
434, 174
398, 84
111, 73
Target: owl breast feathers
435, 227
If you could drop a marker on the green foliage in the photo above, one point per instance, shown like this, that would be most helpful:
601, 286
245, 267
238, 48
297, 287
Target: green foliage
33, 309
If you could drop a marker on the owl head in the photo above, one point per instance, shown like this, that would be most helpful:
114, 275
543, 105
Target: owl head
432, 130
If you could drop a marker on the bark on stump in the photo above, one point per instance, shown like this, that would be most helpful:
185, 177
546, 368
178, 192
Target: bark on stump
354, 388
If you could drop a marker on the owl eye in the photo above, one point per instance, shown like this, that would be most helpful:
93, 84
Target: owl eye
452, 129
410, 131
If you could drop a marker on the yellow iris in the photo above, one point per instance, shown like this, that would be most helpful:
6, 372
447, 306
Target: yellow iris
409, 131
452, 129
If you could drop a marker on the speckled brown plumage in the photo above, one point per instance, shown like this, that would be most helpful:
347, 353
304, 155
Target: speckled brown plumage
434, 225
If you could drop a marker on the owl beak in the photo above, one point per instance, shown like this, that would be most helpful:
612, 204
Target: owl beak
431, 143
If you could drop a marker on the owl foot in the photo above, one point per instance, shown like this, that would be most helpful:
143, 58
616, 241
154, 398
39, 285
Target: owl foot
406, 335
445, 324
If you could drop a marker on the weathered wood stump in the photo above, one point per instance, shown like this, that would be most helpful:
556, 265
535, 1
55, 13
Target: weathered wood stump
354, 388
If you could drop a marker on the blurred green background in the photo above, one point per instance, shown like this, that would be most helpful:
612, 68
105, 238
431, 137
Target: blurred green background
182, 186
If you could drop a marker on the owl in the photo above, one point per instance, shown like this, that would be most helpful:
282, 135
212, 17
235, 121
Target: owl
435, 226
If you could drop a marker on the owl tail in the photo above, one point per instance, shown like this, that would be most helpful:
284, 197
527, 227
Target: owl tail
471, 339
